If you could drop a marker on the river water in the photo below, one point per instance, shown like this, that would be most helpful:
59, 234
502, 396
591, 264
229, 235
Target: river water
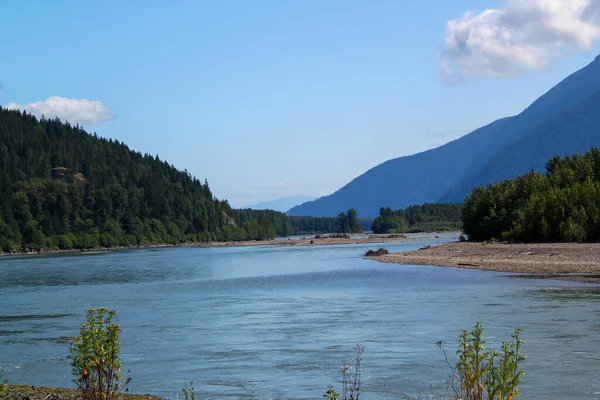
275, 322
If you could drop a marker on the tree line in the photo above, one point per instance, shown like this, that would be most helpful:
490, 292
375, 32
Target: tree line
562, 204
419, 218
285, 225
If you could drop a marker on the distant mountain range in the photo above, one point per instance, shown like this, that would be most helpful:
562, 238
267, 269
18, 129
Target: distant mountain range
563, 121
282, 204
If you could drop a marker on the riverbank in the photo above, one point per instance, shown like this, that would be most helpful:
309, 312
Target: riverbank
320, 240
564, 261
325, 240
26, 392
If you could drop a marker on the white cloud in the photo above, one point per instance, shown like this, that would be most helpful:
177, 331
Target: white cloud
76, 111
525, 34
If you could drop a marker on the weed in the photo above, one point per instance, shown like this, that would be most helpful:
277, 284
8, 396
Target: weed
3, 386
351, 379
482, 374
331, 394
94, 356
188, 391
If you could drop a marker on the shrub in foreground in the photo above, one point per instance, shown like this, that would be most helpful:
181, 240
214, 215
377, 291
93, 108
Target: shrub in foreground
3, 387
482, 374
94, 356
479, 374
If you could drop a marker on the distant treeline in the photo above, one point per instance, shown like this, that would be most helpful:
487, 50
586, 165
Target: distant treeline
428, 217
291, 225
561, 205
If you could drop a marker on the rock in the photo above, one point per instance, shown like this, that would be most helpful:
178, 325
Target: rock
375, 253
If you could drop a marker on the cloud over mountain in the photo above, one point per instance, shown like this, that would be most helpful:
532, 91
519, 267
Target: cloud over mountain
76, 111
524, 35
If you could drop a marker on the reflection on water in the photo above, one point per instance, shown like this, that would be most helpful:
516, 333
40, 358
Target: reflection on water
275, 322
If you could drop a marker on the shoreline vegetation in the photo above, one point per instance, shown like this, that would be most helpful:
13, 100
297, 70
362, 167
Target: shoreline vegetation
319, 240
32, 392
558, 261
561, 205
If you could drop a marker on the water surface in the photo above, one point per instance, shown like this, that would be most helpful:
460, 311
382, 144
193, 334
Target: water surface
275, 322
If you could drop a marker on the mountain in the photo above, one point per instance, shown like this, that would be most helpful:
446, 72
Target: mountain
448, 173
282, 204
575, 130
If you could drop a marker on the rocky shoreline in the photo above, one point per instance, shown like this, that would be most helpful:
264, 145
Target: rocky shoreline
563, 261
25, 392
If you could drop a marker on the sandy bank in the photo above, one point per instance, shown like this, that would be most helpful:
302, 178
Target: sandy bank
567, 261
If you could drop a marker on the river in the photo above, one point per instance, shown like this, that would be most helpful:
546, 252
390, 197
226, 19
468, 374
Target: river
274, 322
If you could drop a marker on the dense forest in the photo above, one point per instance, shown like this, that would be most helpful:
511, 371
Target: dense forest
304, 225
63, 188
424, 218
561, 205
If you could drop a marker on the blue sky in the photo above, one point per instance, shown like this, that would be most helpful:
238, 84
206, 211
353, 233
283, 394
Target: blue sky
273, 98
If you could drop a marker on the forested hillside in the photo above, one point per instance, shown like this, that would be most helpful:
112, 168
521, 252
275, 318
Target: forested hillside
61, 187
561, 205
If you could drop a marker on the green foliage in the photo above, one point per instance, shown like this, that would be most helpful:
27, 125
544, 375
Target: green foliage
3, 386
348, 222
424, 218
188, 391
390, 221
94, 356
331, 394
486, 374
304, 225
561, 205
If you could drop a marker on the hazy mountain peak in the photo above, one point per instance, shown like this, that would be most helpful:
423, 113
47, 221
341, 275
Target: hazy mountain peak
283, 204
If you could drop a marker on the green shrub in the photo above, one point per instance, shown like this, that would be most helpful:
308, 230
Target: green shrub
94, 356
331, 394
485, 374
3, 386
188, 391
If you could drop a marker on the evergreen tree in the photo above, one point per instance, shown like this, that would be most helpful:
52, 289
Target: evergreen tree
561, 205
